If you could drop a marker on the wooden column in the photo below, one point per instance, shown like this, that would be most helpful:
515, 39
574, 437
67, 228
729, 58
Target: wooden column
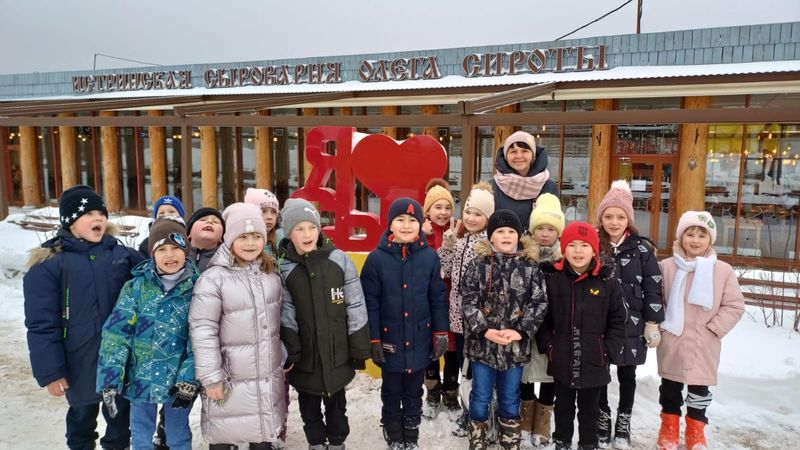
109, 141
208, 165
158, 158
691, 173
264, 155
599, 161
70, 175
29, 166
187, 193
313, 112
390, 111
431, 110
502, 133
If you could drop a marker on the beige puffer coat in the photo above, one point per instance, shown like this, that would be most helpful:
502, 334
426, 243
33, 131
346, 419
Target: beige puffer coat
234, 322
536, 370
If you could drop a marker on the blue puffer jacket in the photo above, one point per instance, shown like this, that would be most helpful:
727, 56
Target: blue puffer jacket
145, 348
406, 302
70, 289
522, 208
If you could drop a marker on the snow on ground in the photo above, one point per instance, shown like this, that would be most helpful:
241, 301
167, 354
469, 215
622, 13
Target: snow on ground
756, 405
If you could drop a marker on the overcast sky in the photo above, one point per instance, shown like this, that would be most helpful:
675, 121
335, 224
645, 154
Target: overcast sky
56, 35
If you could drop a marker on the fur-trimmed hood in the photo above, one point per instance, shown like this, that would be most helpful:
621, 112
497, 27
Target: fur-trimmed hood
64, 239
530, 250
606, 270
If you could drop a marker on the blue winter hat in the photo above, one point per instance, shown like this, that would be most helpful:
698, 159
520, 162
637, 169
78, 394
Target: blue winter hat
404, 205
175, 202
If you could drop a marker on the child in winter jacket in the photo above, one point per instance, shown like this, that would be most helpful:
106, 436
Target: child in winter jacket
438, 213
637, 269
145, 354
205, 228
703, 304
503, 304
546, 225
270, 209
323, 324
407, 311
583, 329
234, 323
71, 287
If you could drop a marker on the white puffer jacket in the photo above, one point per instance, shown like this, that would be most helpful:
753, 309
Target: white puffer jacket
234, 322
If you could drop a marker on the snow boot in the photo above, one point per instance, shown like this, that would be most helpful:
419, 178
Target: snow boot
604, 429
335, 447
561, 445
222, 447
477, 435
622, 431
317, 447
541, 424
261, 446
670, 432
393, 433
411, 438
433, 399
450, 400
587, 447
526, 414
461, 424
695, 434
509, 433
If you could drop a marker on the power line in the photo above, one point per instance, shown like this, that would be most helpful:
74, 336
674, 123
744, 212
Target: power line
94, 66
595, 20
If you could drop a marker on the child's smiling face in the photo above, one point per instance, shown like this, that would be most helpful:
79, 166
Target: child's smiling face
90, 226
505, 240
304, 236
441, 212
474, 220
695, 241
579, 255
169, 258
405, 228
248, 247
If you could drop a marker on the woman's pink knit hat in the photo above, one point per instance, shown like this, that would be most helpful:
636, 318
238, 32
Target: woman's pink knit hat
618, 196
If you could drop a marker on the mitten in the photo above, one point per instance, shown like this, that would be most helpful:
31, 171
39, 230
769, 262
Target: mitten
651, 334
184, 393
440, 344
377, 353
110, 400
449, 239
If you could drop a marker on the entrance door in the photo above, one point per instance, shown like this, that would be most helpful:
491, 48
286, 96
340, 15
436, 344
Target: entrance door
651, 185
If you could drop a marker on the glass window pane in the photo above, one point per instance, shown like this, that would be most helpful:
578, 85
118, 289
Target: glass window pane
575, 183
722, 181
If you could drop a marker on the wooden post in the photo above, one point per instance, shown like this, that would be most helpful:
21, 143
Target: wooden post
29, 166
264, 155
109, 141
69, 155
208, 165
158, 158
4, 183
306, 165
187, 177
390, 111
599, 161
228, 167
430, 110
502, 133
691, 173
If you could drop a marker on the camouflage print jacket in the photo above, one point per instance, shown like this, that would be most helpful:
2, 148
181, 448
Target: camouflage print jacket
501, 292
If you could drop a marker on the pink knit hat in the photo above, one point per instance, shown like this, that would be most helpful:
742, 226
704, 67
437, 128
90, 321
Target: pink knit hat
700, 219
241, 218
618, 196
262, 198
520, 136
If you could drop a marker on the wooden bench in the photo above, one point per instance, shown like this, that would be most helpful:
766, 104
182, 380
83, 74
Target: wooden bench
768, 299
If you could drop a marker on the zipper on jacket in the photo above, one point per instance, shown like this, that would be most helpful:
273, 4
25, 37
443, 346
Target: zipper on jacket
602, 351
257, 348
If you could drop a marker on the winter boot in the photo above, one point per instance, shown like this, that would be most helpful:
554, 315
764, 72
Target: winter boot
393, 433
622, 431
477, 435
433, 399
586, 447
335, 447
541, 424
450, 400
695, 435
527, 413
604, 429
461, 424
509, 433
561, 445
317, 447
261, 446
222, 447
670, 432
410, 438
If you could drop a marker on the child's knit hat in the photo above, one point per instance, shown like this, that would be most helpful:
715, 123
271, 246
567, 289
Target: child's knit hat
77, 201
700, 219
619, 196
297, 210
437, 190
168, 230
504, 218
203, 212
547, 211
580, 231
481, 198
241, 218
262, 198
175, 202
519, 136
404, 205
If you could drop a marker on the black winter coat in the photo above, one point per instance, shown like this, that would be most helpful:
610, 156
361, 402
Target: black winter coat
585, 323
522, 208
405, 300
80, 280
323, 317
638, 271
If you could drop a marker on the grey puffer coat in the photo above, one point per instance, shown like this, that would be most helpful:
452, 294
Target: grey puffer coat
234, 323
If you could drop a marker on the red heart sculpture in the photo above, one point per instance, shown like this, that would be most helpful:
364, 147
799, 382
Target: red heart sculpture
392, 169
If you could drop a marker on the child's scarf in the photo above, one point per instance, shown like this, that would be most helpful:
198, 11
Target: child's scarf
701, 292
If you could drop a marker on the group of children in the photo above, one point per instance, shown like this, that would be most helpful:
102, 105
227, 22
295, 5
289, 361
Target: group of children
223, 308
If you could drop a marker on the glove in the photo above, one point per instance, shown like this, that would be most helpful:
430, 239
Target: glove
110, 400
440, 344
377, 353
651, 334
449, 238
359, 364
184, 393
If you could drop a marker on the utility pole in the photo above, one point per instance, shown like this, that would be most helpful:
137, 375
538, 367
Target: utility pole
639, 16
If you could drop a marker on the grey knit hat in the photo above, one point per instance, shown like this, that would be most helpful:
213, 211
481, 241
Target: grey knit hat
297, 210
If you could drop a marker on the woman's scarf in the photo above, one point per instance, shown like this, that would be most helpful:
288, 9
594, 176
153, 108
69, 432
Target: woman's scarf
701, 293
519, 187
